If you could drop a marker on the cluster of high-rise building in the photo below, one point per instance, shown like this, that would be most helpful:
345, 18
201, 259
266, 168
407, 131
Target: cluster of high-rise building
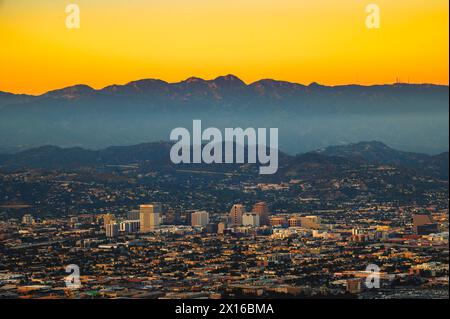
259, 215
150, 216
147, 219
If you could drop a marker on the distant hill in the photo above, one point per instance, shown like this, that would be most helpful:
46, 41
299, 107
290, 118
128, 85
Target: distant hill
413, 117
54, 157
156, 155
375, 152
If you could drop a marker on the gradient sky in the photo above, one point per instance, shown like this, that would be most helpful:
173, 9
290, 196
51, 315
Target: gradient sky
325, 41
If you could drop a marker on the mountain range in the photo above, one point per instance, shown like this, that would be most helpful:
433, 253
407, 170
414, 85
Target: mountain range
156, 156
412, 117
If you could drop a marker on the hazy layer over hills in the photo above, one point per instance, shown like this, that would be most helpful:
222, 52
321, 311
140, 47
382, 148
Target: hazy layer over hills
406, 117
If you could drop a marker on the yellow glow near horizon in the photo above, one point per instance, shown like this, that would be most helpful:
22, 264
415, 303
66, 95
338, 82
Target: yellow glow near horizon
325, 41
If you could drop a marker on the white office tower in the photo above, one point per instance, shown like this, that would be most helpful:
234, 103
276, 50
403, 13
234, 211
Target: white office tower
112, 230
150, 217
250, 219
130, 226
200, 219
236, 213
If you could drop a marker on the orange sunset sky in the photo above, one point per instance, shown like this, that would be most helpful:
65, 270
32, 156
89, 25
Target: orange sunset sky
325, 41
